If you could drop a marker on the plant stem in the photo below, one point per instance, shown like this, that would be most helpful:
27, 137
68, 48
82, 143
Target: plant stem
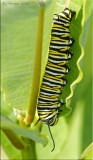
29, 152
87, 152
37, 69
67, 3
14, 138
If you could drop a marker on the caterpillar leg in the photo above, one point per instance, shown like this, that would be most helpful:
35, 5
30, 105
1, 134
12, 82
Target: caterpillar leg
70, 54
71, 41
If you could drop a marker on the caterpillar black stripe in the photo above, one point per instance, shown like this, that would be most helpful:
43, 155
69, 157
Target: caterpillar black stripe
53, 81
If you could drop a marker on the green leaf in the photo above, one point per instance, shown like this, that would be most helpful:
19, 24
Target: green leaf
75, 74
14, 138
88, 153
8, 148
18, 50
19, 33
7, 110
33, 134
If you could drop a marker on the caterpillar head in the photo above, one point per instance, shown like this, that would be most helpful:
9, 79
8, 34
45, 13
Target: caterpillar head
53, 121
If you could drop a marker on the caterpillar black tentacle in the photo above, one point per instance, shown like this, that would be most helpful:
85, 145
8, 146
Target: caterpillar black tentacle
56, 69
51, 137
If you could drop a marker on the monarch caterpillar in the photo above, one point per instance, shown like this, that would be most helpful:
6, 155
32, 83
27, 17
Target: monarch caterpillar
53, 81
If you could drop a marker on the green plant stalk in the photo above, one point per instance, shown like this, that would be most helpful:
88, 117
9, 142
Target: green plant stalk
67, 3
29, 152
14, 139
88, 152
37, 69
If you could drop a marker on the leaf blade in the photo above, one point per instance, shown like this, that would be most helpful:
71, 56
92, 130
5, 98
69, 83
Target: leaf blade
33, 134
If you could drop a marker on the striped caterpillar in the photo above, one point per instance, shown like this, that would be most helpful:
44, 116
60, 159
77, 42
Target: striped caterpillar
56, 69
